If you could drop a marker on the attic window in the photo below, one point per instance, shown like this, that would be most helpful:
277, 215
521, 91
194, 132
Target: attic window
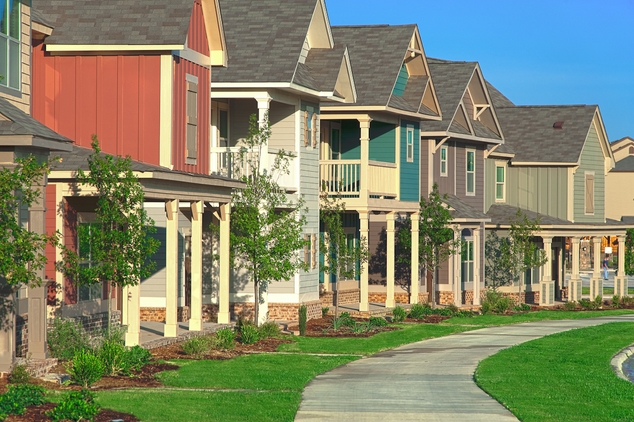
558, 125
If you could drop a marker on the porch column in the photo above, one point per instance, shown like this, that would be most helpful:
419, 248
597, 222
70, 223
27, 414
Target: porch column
365, 158
415, 282
132, 312
37, 295
195, 321
547, 285
171, 269
455, 275
574, 285
225, 264
389, 297
596, 283
476, 266
263, 110
620, 281
364, 276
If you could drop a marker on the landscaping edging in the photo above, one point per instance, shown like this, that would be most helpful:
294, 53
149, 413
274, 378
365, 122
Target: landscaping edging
619, 359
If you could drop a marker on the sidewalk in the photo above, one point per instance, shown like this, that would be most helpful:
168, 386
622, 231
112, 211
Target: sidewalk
431, 380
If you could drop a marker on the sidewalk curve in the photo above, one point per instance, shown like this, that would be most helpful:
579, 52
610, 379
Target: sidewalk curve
431, 380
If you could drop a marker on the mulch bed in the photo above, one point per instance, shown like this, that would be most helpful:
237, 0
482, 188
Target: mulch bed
37, 413
175, 351
322, 327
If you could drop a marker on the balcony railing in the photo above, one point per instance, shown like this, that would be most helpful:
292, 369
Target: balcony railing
344, 177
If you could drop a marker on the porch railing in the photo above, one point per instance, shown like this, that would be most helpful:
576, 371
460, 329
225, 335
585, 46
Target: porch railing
344, 177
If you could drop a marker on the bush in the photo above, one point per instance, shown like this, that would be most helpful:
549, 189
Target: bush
19, 374
598, 302
377, 322
522, 307
570, 305
136, 358
195, 346
442, 312
249, 333
269, 329
465, 314
495, 301
113, 357
616, 301
302, 320
18, 398
85, 368
324, 311
225, 338
66, 338
587, 304
419, 311
453, 308
347, 319
398, 314
76, 406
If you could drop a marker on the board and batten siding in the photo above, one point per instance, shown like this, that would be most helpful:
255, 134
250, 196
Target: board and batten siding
409, 171
592, 161
382, 142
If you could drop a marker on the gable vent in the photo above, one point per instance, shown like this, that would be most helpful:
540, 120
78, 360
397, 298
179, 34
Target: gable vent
558, 125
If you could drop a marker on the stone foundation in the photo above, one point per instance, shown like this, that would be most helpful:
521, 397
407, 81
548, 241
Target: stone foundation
346, 297
399, 298
446, 298
158, 314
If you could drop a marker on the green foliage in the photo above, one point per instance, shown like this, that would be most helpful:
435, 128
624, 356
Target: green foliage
120, 240
269, 329
398, 314
66, 338
570, 305
629, 252
495, 301
195, 346
588, 304
420, 311
21, 251
112, 355
302, 320
19, 374
225, 339
498, 268
266, 226
324, 311
377, 322
343, 320
522, 307
598, 301
86, 368
76, 406
136, 358
19, 397
249, 333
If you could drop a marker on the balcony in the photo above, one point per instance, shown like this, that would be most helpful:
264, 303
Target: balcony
343, 177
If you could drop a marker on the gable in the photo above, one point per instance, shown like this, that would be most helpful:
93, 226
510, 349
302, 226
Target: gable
197, 33
214, 32
319, 34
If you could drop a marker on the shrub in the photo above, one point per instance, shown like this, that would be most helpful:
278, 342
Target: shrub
616, 301
465, 314
522, 307
419, 311
85, 368
76, 406
377, 322
361, 327
453, 308
495, 301
324, 311
225, 338
66, 338
249, 334
503, 304
398, 314
598, 302
19, 374
570, 305
136, 358
343, 320
195, 346
442, 312
586, 304
19, 397
302, 320
113, 357
269, 329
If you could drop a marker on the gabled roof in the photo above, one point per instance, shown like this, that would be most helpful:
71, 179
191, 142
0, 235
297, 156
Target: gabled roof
498, 99
120, 22
264, 39
625, 164
502, 214
529, 132
322, 69
36, 16
462, 211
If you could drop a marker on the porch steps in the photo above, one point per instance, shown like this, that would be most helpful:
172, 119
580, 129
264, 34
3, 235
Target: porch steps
37, 367
164, 341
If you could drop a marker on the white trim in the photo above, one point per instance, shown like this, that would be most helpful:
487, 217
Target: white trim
501, 164
165, 106
445, 173
194, 57
466, 172
408, 158
112, 47
152, 302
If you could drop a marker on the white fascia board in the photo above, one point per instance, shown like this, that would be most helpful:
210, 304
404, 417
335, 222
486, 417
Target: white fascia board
113, 47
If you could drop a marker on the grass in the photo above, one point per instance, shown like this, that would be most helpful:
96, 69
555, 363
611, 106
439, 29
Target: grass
563, 377
607, 291
496, 320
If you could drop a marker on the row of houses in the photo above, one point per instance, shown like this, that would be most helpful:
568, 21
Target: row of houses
361, 109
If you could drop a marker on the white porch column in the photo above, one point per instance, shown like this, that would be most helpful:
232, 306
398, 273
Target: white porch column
415, 282
476, 266
195, 321
390, 258
596, 283
263, 110
547, 285
620, 281
225, 264
171, 269
132, 311
574, 285
365, 158
364, 277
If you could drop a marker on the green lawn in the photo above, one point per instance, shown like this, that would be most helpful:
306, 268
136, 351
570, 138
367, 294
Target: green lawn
490, 319
607, 291
563, 377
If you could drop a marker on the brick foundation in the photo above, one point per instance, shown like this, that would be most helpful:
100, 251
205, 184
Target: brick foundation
277, 311
401, 297
158, 314
346, 297
445, 298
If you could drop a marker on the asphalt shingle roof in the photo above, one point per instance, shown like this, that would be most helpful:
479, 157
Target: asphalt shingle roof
626, 164
529, 132
463, 210
36, 16
323, 64
264, 39
139, 22
20, 123
497, 98
501, 214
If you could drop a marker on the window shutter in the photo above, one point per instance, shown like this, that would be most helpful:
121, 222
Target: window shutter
192, 121
589, 193
314, 134
314, 248
306, 133
306, 249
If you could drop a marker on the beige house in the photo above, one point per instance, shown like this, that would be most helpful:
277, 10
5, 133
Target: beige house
619, 182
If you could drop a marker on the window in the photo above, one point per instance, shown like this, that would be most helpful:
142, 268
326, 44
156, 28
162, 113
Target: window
470, 172
192, 120
500, 183
410, 144
10, 54
589, 208
85, 233
223, 127
443, 161
467, 260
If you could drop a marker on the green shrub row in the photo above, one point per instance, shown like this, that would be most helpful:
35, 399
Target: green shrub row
18, 398
76, 406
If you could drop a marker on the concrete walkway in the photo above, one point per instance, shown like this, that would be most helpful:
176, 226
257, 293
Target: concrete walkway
431, 380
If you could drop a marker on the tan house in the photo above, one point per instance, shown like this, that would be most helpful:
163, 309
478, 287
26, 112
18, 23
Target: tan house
619, 182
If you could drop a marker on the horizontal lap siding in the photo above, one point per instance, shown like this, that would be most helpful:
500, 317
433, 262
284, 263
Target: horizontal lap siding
410, 176
182, 68
592, 160
115, 97
350, 140
382, 142
282, 118
154, 285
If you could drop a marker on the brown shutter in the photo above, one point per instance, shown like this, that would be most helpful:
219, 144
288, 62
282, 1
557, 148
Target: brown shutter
306, 133
314, 248
589, 193
192, 120
306, 249
314, 134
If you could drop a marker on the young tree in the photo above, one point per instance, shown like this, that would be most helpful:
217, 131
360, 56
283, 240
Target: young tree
342, 259
498, 266
436, 237
116, 249
266, 226
629, 252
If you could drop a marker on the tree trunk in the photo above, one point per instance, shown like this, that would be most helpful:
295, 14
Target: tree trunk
337, 294
256, 301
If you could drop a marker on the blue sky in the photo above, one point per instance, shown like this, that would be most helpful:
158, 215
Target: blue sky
535, 52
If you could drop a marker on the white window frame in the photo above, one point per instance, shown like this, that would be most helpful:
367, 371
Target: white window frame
501, 165
12, 76
443, 171
467, 172
410, 143
468, 242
